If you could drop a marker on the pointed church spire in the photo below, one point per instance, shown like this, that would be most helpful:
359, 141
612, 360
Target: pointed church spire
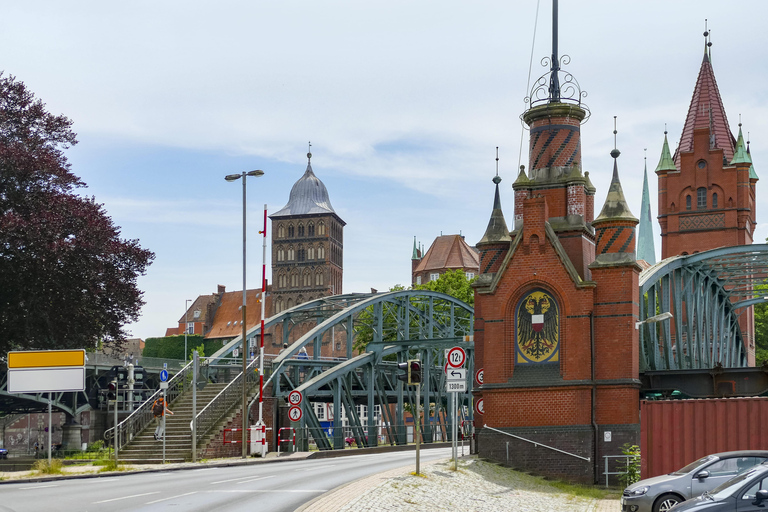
497, 227
615, 206
665, 162
740, 155
645, 246
706, 111
415, 255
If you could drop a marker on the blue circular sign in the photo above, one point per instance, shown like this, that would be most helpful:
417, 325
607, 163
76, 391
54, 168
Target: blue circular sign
163, 375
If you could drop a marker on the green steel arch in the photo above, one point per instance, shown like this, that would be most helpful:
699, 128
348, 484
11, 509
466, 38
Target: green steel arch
706, 294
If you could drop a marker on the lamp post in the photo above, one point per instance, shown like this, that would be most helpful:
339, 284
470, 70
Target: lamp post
235, 177
186, 326
653, 319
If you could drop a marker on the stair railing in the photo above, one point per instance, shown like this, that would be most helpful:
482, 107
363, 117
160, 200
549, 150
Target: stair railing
142, 416
210, 416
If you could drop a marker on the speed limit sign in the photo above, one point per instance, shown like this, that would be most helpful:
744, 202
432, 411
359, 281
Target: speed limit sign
295, 397
479, 376
479, 407
456, 357
294, 413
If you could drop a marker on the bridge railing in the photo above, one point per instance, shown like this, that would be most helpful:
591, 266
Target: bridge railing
142, 416
227, 398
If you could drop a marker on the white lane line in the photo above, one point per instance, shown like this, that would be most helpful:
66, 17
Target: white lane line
313, 468
231, 480
204, 469
170, 498
127, 497
267, 490
254, 479
38, 487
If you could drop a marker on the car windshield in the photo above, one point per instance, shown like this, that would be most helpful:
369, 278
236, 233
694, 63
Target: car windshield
726, 489
693, 465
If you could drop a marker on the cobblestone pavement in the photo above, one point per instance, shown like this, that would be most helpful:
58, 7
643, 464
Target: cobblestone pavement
476, 486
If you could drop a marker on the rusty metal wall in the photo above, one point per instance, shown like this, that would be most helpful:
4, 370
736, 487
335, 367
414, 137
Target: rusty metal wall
676, 432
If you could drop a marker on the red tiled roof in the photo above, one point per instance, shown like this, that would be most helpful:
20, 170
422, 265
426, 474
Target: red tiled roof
706, 109
226, 323
449, 252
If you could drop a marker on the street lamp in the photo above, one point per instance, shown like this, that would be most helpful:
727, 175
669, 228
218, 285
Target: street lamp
186, 326
235, 177
652, 320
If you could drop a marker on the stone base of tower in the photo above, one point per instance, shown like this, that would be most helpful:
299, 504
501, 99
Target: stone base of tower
579, 440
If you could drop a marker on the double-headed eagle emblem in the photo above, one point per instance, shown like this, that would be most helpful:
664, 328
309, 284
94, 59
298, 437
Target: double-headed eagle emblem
538, 332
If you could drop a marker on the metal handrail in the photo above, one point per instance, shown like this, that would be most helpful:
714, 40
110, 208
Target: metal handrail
142, 416
535, 443
227, 398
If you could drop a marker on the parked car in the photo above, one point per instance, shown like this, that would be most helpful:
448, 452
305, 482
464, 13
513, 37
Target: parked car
661, 493
3, 453
747, 492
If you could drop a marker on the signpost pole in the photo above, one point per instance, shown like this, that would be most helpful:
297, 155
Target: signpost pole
115, 428
165, 405
454, 443
417, 421
50, 427
195, 366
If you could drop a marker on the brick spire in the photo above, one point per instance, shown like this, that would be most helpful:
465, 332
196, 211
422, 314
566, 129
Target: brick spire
706, 111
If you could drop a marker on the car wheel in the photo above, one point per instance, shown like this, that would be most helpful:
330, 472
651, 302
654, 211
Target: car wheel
666, 502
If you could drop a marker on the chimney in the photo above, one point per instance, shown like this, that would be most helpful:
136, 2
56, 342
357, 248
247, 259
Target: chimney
222, 289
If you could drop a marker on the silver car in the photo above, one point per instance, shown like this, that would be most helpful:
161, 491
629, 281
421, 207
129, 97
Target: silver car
660, 493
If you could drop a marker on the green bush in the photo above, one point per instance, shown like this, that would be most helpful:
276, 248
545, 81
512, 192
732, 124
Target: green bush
631, 472
172, 347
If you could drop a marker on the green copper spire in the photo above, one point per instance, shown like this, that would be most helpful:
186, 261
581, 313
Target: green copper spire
645, 247
415, 255
740, 156
666, 163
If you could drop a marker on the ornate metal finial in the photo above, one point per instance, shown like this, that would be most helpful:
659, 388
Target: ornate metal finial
665, 128
615, 152
645, 154
309, 152
556, 86
497, 179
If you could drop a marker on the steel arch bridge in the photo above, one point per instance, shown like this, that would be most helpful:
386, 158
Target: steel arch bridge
706, 293
392, 327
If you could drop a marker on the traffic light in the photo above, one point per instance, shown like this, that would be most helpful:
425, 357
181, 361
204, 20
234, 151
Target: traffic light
112, 390
405, 377
415, 372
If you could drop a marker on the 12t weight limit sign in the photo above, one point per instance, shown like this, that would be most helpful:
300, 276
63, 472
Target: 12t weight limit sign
456, 357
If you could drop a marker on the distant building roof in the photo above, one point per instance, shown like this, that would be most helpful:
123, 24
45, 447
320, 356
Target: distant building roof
449, 252
308, 196
228, 317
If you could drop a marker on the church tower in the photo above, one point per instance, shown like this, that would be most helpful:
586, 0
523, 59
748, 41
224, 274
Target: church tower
707, 189
307, 245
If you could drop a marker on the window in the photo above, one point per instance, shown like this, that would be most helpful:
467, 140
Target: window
319, 279
306, 279
321, 412
701, 198
701, 164
321, 229
280, 254
302, 254
714, 200
191, 327
418, 279
294, 280
281, 281
280, 231
321, 253
311, 253
291, 254
687, 202
434, 277
301, 229
751, 493
470, 275
291, 231
311, 229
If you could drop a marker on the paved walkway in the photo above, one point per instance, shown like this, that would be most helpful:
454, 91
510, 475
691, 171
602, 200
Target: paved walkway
476, 486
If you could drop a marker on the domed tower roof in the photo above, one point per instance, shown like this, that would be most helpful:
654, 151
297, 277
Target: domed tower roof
308, 196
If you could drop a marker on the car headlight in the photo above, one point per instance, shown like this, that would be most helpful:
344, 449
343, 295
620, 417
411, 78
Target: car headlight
639, 491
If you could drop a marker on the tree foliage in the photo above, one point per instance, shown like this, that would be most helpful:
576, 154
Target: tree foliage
172, 347
67, 279
453, 283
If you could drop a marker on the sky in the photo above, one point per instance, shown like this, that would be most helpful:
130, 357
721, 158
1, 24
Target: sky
404, 103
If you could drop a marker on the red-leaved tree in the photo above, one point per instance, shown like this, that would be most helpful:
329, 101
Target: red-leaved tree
67, 279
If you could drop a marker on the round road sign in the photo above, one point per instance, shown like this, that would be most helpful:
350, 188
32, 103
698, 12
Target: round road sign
479, 407
294, 413
163, 375
479, 376
456, 357
295, 398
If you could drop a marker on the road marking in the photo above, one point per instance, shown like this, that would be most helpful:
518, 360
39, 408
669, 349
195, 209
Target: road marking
240, 478
38, 487
314, 468
204, 469
254, 479
267, 490
170, 498
127, 497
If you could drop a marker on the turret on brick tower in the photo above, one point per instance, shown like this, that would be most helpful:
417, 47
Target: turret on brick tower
706, 193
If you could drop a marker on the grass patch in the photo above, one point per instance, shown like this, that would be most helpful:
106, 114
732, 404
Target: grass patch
109, 465
41, 466
583, 491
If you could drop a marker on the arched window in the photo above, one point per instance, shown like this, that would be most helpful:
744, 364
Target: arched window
289, 304
311, 253
280, 231
301, 254
714, 200
701, 198
281, 281
321, 252
291, 254
321, 228
291, 231
688, 202
279, 305
301, 229
306, 280
311, 229
280, 254
294, 280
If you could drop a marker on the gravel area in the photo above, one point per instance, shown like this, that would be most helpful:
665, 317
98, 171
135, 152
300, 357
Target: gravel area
476, 486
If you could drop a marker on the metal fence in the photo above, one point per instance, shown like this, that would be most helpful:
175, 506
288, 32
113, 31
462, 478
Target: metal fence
620, 467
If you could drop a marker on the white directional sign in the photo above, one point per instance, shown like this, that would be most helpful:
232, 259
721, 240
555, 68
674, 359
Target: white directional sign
294, 413
456, 374
456, 357
456, 386
295, 397
39, 371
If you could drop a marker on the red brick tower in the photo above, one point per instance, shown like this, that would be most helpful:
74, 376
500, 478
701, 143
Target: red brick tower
706, 193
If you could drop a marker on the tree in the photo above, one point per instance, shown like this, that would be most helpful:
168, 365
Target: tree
67, 279
453, 283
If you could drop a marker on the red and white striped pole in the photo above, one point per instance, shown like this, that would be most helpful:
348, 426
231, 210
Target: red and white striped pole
261, 424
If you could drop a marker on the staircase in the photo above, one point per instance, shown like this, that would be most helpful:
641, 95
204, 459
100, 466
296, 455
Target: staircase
144, 449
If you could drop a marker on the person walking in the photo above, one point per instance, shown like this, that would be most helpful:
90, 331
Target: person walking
159, 408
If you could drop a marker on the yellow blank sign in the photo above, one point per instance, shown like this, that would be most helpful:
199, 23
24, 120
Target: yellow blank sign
46, 358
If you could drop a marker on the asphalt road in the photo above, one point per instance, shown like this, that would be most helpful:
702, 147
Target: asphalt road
273, 487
